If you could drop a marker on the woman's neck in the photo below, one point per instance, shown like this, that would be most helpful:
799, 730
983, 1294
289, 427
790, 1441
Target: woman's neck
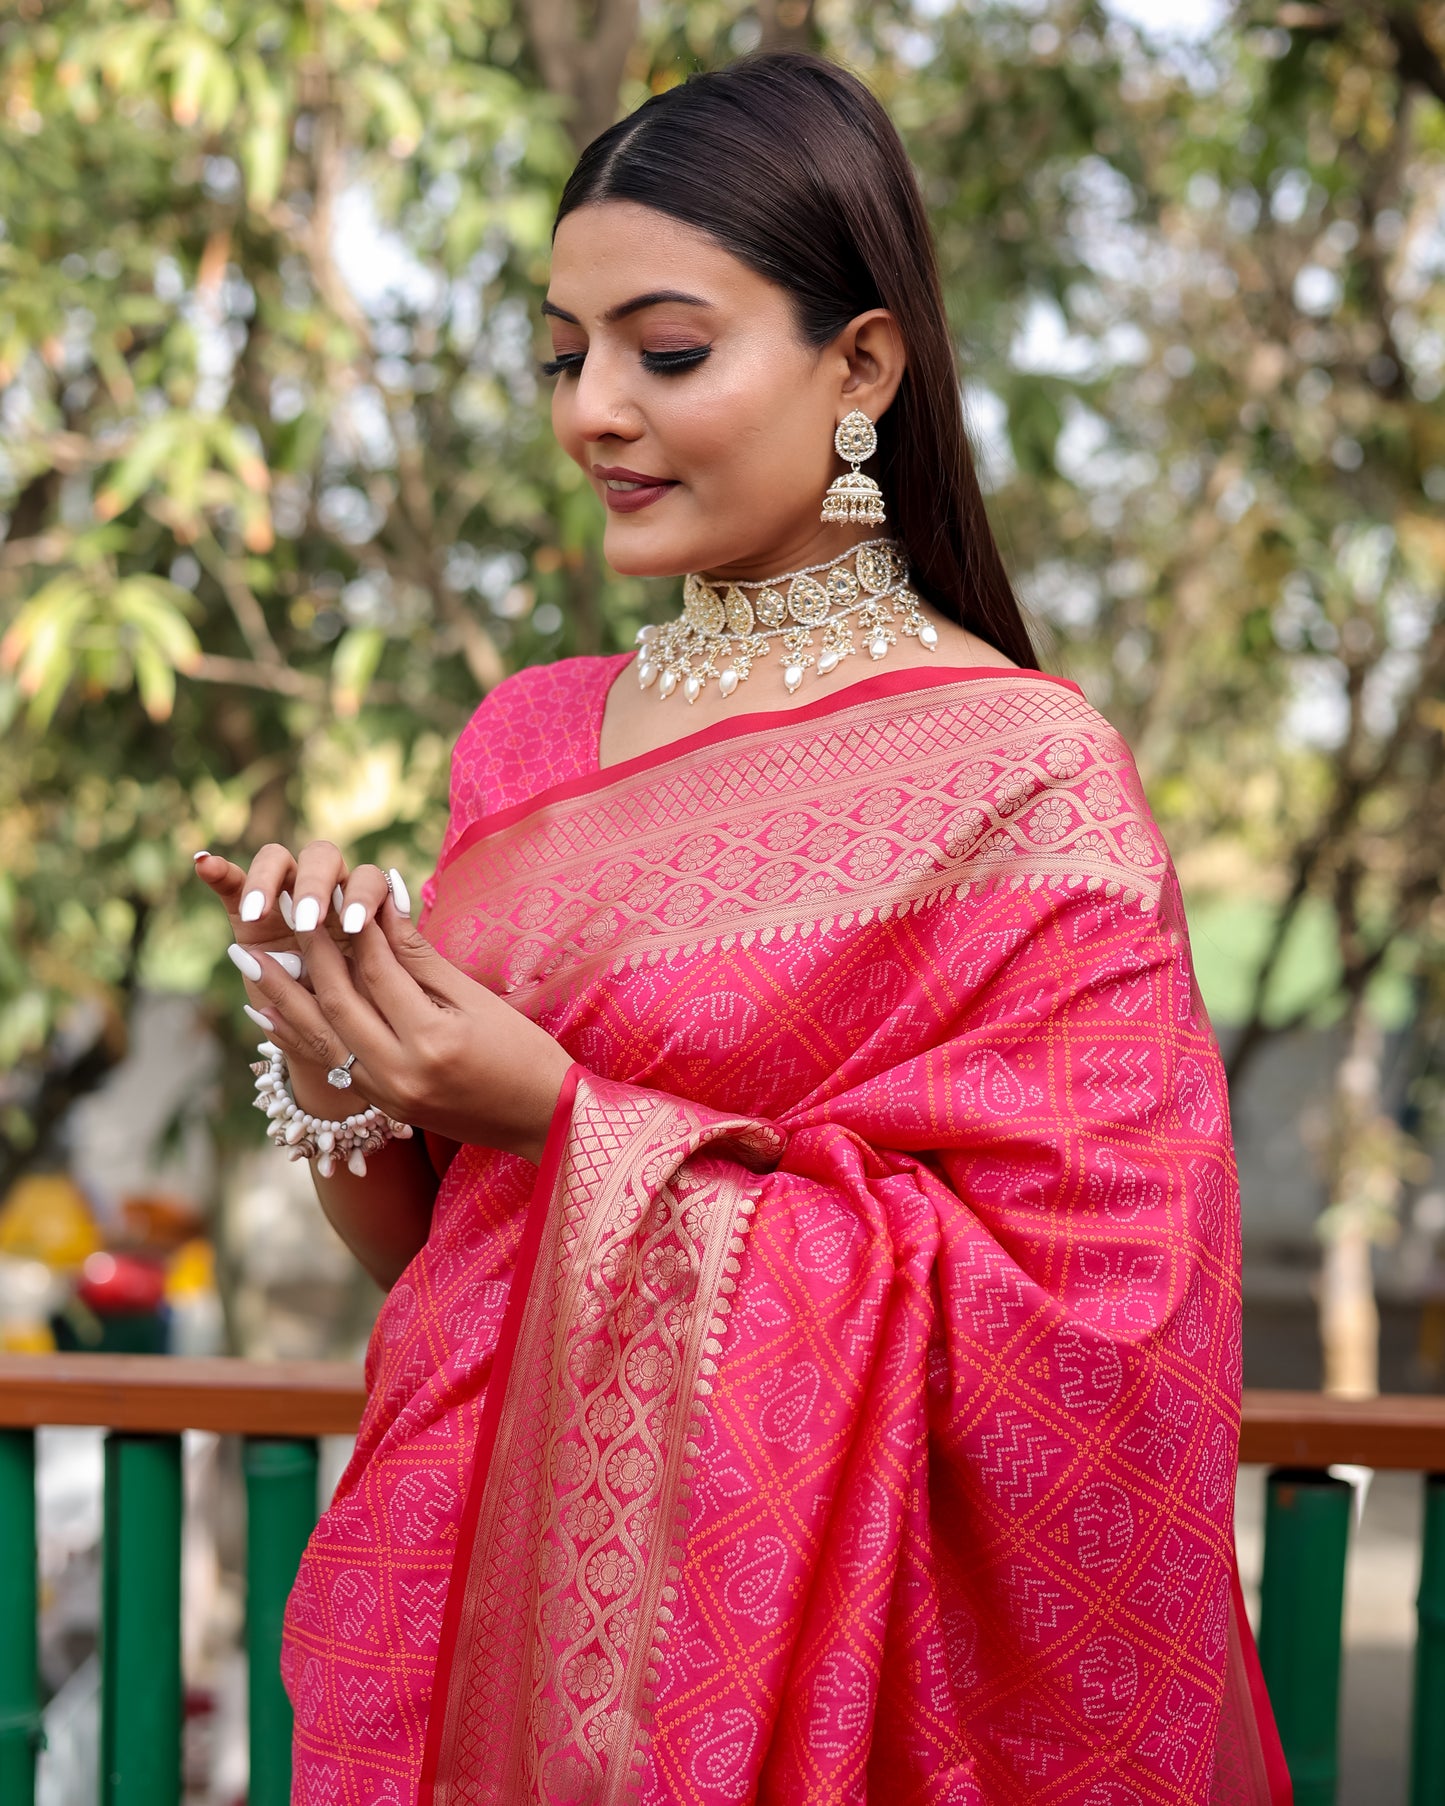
823, 543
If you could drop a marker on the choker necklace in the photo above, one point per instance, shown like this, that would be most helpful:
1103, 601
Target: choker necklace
725, 629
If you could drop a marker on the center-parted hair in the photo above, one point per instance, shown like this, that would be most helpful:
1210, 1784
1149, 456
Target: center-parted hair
788, 162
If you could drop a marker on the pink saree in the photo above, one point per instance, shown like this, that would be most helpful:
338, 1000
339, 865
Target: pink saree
847, 1407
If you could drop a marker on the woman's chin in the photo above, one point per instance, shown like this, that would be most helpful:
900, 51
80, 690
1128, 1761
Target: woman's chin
636, 549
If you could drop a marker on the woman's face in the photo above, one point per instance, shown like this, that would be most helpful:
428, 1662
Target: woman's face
699, 416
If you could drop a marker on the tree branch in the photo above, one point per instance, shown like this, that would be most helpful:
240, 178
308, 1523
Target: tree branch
250, 674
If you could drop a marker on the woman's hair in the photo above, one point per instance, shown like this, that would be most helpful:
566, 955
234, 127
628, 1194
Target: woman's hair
789, 162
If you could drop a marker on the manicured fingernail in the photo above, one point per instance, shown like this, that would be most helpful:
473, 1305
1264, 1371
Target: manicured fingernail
400, 895
244, 963
355, 918
288, 914
260, 1020
253, 906
308, 914
290, 963
196, 858
338, 899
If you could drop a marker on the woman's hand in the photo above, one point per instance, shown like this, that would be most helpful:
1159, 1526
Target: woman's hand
433, 1048
261, 909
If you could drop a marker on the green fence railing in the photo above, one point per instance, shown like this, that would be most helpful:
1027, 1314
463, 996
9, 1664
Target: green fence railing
146, 1402
280, 1410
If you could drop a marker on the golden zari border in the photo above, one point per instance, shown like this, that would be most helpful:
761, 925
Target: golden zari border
571, 1569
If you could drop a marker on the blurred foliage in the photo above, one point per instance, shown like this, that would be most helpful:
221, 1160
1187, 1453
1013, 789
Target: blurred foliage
280, 498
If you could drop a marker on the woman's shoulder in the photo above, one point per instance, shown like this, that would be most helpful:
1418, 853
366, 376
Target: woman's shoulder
538, 727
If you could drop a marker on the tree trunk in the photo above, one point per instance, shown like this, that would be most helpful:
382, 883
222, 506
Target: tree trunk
1364, 1158
581, 51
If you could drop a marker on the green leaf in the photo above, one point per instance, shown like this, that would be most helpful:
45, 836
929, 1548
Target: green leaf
358, 653
263, 147
157, 611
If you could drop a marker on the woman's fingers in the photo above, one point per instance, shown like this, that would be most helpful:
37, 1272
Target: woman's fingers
363, 895
351, 1017
257, 901
436, 976
227, 881
320, 874
310, 1031
270, 874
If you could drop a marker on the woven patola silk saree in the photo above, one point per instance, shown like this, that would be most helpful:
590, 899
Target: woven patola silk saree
847, 1407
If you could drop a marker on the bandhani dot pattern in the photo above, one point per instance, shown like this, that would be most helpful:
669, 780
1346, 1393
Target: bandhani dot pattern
866, 1415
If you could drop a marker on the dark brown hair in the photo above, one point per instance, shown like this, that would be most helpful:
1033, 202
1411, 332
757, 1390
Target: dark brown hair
788, 162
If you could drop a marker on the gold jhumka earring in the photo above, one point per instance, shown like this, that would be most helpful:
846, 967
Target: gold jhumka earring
854, 497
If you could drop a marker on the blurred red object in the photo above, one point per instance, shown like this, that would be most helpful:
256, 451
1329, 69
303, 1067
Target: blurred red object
120, 1285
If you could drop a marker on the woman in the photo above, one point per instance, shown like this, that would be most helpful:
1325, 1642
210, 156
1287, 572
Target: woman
811, 1363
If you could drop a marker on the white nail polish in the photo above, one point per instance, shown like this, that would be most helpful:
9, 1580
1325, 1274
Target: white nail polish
308, 914
260, 1020
244, 963
400, 895
253, 906
290, 963
355, 918
288, 914
338, 899
196, 858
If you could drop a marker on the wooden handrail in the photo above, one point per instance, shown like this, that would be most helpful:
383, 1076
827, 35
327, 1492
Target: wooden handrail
167, 1392
1308, 1429
325, 1398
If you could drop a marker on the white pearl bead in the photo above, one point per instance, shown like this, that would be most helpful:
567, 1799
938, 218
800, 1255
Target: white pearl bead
827, 661
667, 683
878, 647
928, 635
692, 689
646, 673
792, 676
727, 680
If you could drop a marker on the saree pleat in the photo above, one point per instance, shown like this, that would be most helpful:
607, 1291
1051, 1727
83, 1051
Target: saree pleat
862, 1419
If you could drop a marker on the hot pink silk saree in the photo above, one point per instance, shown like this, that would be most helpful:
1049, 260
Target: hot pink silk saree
847, 1408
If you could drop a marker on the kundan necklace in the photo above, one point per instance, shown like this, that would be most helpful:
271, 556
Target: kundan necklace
725, 629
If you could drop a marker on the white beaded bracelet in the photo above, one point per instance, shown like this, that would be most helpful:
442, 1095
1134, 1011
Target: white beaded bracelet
308, 1137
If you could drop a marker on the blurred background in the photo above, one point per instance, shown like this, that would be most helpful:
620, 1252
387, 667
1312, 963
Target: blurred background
279, 501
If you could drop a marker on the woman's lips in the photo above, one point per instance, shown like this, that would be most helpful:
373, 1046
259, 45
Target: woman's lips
625, 491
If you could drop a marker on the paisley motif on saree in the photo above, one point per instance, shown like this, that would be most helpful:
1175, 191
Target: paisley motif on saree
923, 1490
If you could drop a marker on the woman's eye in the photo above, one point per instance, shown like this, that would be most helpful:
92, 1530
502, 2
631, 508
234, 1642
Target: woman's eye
568, 360
663, 361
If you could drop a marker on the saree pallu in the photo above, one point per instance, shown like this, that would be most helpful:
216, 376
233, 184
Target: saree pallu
847, 1407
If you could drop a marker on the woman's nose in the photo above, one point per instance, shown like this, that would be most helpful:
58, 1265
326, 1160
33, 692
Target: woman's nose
602, 406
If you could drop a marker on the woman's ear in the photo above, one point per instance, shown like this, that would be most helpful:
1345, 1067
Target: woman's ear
871, 348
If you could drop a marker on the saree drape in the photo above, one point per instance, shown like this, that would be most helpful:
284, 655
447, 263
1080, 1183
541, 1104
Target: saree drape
847, 1408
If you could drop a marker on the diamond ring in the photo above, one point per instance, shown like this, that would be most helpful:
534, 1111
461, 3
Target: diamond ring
340, 1076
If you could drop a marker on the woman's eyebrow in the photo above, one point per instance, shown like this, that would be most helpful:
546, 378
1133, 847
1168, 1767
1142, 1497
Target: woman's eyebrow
624, 308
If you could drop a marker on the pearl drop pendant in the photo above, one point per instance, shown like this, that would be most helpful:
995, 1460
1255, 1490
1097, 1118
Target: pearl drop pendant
646, 673
727, 680
828, 661
692, 689
928, 635
792, 677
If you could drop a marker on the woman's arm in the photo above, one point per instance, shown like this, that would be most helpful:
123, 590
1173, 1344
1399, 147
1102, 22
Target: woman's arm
385, 1217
